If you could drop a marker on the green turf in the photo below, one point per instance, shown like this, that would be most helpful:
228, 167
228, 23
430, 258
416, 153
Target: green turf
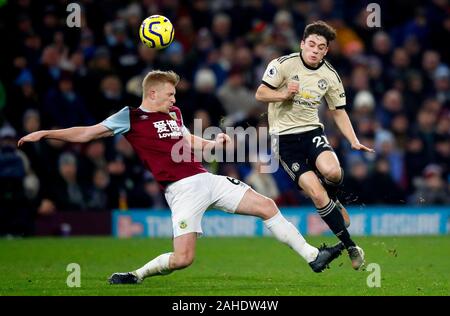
223, 266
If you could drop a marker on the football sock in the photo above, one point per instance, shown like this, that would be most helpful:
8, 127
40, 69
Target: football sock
333, 217
158, 266
285, 232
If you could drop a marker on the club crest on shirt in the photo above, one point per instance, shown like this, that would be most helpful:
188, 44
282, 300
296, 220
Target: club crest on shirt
295, 167
271, 72
182, 224
173, 115
167, 128
322, 84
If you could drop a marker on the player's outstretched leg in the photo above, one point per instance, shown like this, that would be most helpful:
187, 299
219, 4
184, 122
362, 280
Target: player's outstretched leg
157, 266
256, 204
182, 257
331, 214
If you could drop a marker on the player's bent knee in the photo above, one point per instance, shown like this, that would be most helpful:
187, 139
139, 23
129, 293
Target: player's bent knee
183, 260
332, 173
267, 209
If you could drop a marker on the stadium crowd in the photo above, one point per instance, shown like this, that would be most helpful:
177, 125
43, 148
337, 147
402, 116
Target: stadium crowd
397, 81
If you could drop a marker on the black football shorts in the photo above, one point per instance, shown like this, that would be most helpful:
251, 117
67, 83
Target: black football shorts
298, 152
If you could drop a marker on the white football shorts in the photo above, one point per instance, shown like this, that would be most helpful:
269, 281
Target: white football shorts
190, 197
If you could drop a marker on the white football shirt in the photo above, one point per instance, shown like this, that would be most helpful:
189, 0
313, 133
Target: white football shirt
301, 114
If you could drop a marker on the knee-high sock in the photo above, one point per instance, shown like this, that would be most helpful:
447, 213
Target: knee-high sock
333, 217
157, 266
285, 232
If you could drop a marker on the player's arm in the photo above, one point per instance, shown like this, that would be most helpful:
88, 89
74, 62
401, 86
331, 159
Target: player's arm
117, 123
344, 124
79, 134
272, 79
336, 101
265, 93
199, 143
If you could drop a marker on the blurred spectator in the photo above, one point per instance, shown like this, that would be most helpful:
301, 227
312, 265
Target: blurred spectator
415, 159
66, 192
400, 128
430, 63
431, 188
111, 98
357, 189
24, 97
363, 106
244, 61
442, 154
439, 32
185, 32
151, 195
381, 46
123, 49
392, 105
387, 189
101, 196
64, 107
237, 100
49, 71
386, 148
398, 71
16, 208
426, 122
51, 24
442, 85
93, 158
204, 97
283, 34
414, 94
34, 151
263, 183
221, 29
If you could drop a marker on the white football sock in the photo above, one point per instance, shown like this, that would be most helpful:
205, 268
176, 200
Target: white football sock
285, 232
158, 266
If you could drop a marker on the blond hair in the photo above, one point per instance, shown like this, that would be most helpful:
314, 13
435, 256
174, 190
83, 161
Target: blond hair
156, 77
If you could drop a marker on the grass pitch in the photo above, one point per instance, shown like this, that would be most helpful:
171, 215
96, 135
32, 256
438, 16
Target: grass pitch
223, 266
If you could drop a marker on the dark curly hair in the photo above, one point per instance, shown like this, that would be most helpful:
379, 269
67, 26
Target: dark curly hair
320, 28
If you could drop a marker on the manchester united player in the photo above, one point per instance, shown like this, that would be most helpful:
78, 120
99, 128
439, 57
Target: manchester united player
294, 86
153, 129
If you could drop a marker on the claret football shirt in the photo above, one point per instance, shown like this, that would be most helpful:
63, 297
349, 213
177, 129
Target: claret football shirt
153, 136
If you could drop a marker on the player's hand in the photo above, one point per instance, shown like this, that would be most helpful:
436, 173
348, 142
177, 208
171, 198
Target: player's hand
33, 137
292, 89
358, 146
222, 139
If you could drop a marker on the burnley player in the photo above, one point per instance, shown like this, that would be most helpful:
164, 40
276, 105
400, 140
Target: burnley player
152, 130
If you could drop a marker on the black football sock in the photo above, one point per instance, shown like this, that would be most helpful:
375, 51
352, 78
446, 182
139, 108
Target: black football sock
333, 217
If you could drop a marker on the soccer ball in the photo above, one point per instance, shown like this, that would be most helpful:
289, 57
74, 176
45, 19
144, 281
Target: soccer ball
156, 31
